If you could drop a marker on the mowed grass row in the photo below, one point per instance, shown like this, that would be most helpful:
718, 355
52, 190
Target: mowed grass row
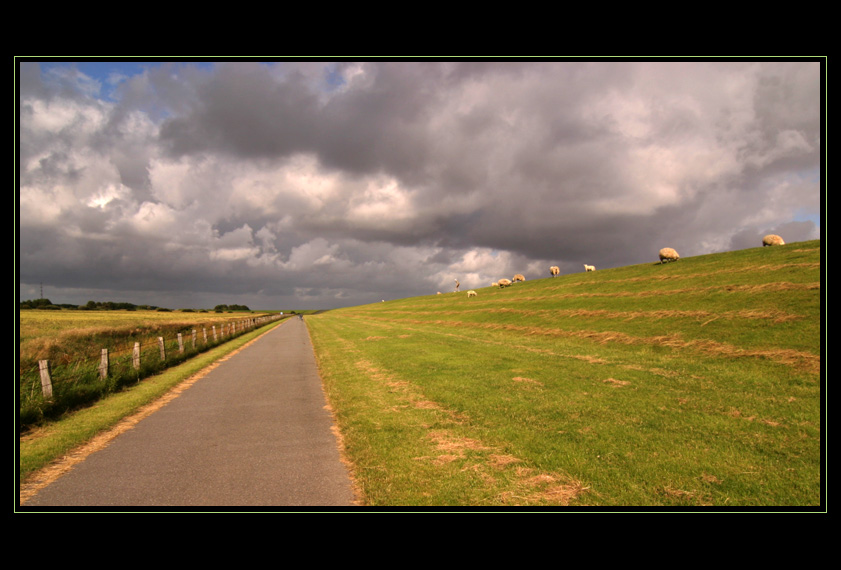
689, 384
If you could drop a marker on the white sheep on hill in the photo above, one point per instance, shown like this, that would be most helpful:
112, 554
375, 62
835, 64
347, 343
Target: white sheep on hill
554, 270
589, 267
495, 284
504, 283
471, 294
519, 277
668, 254
772, 239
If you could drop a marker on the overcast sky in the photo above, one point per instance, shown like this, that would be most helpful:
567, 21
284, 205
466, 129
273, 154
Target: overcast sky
320, 185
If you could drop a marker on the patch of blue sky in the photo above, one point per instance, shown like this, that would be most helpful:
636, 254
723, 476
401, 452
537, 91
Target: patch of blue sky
333, 78
95, 78
808, 215
101, 78
812, 214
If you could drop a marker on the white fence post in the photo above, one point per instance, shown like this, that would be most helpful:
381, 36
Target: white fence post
135, 357
103, 364
46, 382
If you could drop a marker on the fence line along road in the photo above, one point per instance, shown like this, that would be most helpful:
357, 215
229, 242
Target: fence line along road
254, 432
226, 331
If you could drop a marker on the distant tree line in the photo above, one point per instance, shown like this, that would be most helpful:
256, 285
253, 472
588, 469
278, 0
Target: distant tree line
221, 308
46, 304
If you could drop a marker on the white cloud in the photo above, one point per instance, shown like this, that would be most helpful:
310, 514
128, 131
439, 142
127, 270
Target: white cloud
154, 220
382, 203
476, 268
302, 176
106, 195
58, 116
315, 252
42, 206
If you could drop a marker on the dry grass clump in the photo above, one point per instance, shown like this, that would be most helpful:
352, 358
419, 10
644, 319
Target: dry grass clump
521, 380
544, 489
528, 486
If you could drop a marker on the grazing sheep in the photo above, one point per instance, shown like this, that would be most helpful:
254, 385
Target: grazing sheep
471, 294
504, 283
439, 292
494, 284
589, 267
518, 277
668, 254
554, 270
772, 239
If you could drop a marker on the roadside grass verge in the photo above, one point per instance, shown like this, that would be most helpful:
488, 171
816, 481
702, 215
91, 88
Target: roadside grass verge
47, 444
695, 384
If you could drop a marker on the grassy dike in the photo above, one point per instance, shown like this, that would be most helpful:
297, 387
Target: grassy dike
682, 385
46, 445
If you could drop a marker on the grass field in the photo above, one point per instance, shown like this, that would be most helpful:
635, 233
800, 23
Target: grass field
40, 331
689, 384
72, 341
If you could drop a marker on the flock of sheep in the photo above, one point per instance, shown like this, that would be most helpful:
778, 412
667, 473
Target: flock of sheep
667, 254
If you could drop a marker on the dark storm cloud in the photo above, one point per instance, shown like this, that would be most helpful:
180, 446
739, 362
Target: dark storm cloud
342, 183
246, 112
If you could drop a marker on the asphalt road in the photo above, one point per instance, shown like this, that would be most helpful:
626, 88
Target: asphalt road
254, 432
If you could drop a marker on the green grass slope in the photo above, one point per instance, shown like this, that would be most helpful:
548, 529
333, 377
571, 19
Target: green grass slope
694, 384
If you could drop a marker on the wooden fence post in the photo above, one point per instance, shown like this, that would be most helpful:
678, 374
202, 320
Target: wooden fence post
161, 346
204, 332
180, 344
194, 339
103, 364
46, 382
135, 357
214, 333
